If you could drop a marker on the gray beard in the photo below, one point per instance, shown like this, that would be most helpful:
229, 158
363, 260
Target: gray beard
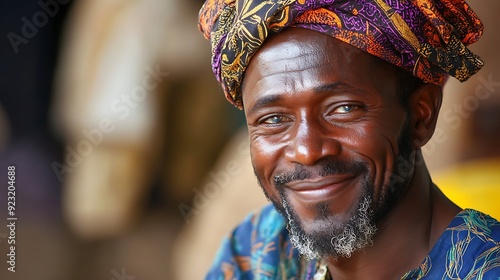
339, 241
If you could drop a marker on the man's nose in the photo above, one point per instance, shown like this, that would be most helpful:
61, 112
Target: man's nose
312, 142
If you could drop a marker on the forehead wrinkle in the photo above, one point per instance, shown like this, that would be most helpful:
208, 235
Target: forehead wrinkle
287, 50
290, 75
282, 61
283, 82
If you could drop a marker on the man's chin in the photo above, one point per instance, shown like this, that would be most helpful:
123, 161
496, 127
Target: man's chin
324, 226
318, 217
335, 235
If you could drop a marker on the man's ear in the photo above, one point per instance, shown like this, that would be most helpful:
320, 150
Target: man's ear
425, 103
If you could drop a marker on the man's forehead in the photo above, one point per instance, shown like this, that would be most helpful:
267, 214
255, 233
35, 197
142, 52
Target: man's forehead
296, 58
300, 61
294, 42
297, 49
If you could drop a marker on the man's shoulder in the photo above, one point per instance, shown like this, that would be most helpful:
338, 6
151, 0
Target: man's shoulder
474, 239
478, 230
477, 224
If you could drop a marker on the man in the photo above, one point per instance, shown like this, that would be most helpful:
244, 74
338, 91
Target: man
339, 98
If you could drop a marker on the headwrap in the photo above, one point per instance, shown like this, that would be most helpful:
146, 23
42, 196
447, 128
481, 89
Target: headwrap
425, 37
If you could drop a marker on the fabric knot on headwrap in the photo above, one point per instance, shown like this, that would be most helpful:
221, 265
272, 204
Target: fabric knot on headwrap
425, 37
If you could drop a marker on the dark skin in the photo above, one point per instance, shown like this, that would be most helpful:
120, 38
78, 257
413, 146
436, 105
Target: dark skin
308, 96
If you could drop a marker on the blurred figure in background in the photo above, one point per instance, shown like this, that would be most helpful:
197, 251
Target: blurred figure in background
108, 110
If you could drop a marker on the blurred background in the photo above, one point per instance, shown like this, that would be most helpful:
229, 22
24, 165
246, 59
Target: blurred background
129, 162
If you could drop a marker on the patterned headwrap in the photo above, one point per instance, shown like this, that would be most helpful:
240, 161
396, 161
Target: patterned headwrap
425, 37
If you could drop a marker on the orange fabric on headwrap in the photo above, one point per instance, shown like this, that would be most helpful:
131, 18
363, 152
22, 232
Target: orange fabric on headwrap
425, 37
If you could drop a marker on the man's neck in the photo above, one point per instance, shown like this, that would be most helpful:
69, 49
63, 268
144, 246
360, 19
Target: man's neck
405, 237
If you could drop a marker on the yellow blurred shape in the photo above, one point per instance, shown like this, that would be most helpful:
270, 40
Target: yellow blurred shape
474, 184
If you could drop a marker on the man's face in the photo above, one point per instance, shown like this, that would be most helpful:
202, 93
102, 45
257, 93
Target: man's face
327, 131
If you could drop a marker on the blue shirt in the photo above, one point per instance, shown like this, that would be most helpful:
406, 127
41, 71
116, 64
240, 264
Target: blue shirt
260, 248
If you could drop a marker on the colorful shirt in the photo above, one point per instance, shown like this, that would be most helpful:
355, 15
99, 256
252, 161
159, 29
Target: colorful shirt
260, 248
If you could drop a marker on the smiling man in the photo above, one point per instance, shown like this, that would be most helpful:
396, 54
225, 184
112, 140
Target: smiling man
339, 98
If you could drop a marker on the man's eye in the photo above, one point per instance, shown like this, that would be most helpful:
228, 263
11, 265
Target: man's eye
275, 120
344, 109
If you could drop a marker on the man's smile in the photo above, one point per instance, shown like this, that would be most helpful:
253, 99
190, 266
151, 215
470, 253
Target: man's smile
321, 188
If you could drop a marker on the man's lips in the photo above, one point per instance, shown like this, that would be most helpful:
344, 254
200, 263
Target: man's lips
321, 188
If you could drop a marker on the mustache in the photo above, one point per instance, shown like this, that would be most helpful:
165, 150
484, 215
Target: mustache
324, 167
